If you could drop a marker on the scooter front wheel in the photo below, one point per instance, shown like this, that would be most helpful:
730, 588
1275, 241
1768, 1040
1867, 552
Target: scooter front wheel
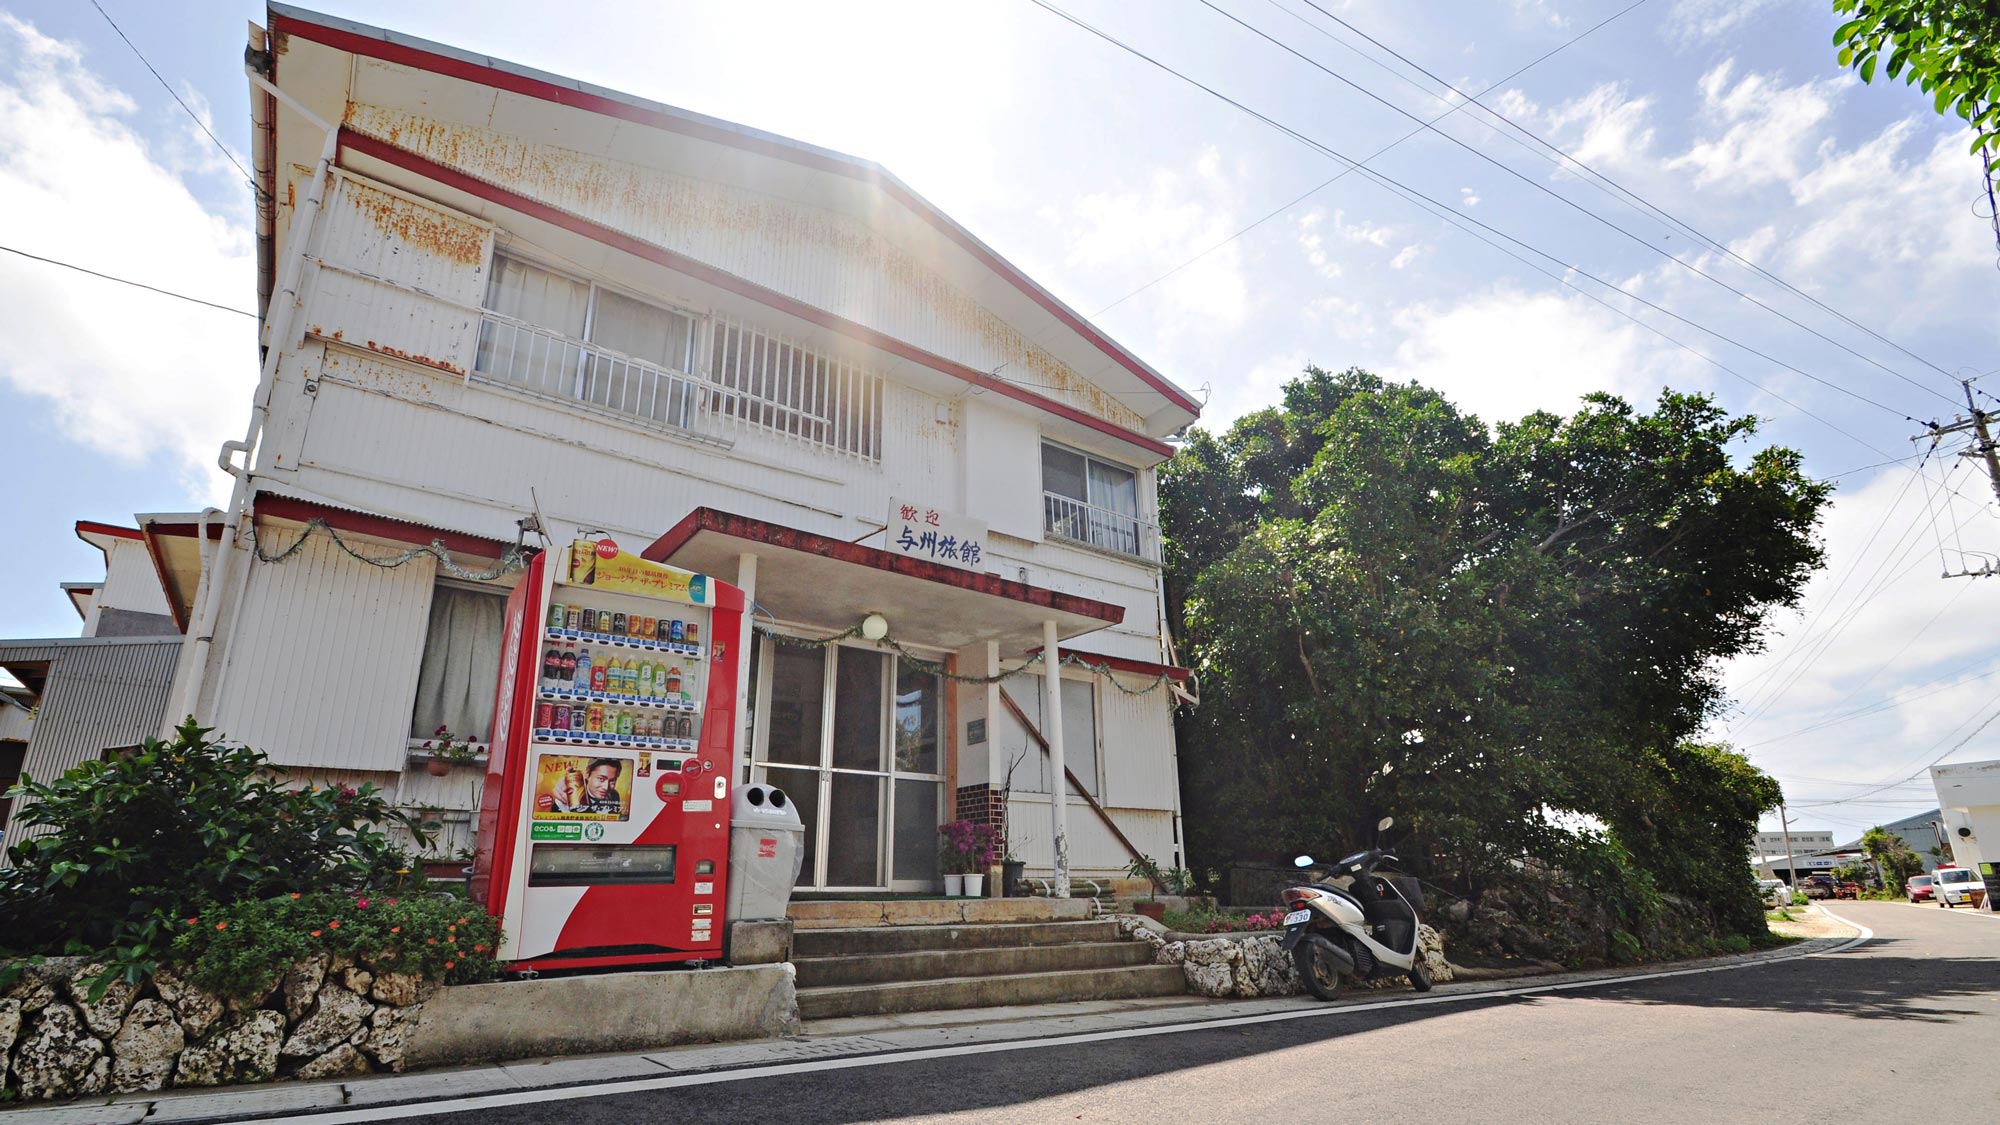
1420, 977
1319, 968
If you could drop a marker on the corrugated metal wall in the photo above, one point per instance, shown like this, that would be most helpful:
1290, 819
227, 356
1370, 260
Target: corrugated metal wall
99, 696
434, 262
1138, 743
323, 669
829, 260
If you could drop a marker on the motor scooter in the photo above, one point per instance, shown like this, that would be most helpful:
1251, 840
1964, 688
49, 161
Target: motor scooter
1365, 930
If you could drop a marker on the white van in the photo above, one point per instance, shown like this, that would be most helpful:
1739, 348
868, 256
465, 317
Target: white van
1959, 884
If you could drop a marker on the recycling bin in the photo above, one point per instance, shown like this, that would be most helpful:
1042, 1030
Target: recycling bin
766, 848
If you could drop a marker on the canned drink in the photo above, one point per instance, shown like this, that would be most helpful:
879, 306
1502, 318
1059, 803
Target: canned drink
625, 724
560, 720
589, 620
572, 618
545, 716
557, 615
693, 633
677, 631
594, 719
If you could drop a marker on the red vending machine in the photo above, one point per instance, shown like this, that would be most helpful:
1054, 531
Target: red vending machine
604, 825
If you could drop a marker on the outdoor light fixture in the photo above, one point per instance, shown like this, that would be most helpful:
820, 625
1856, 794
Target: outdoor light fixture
874, 627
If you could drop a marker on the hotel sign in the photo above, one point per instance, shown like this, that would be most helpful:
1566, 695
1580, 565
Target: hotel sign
926, 531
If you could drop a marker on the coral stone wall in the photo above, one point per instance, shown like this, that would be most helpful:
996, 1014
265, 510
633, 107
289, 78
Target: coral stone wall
324, 1018
1251, 964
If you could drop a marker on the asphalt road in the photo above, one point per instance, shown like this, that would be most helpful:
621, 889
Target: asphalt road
1854, 1036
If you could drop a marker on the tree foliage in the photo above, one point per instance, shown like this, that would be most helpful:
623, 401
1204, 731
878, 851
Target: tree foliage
132, 845
1497, 637
1948, 48
1892, 857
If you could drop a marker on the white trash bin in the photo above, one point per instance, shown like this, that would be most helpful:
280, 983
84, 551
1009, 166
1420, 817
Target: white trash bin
766, 849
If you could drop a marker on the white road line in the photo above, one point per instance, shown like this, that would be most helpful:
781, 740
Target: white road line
642, 1085
1973, 910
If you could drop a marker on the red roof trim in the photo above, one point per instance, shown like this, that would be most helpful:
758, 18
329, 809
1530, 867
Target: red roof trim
867, 173
722, 279
153, 532
777, 535
1101, 662
95, 528
381, 527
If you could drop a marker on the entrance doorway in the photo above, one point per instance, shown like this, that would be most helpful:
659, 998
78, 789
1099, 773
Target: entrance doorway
855, 736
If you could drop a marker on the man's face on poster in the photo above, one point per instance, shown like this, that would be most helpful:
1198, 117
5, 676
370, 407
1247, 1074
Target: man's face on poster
601, 784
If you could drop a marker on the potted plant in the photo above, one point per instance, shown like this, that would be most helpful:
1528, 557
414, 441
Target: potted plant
964, 847
446, 751
1011, 870
1147, 868
1011, 865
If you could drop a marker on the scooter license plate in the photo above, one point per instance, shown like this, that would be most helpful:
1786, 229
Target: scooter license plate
1298, 917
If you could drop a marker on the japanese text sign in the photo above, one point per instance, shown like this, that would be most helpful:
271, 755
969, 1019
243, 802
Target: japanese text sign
926, 531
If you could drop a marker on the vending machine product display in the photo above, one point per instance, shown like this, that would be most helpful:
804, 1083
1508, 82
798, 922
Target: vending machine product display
604, 825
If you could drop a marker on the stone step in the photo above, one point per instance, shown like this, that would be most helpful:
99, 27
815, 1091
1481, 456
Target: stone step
828, 942
947, 964
850, 913
987, 992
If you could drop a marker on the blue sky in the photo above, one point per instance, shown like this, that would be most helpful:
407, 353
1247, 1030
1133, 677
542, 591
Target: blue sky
1098, 173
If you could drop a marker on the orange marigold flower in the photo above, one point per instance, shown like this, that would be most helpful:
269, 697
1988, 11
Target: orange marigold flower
395, 929
479, 949
449, 964
316, 933
461, 921
333, 925
452, 940
430, 941
451, 929
192, 921
295, 894
222, 925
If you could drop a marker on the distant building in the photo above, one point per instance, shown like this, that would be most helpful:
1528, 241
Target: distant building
1919, 833
1969, 805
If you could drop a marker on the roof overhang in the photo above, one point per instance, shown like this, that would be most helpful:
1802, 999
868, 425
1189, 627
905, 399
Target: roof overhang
328, 62
821, 582
79, 594
173, 540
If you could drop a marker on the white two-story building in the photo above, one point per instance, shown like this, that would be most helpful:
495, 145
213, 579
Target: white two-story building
495, 298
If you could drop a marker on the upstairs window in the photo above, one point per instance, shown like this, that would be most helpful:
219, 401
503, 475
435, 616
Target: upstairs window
566, 338
1095, 503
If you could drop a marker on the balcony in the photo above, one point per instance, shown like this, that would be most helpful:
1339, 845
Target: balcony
1072, 521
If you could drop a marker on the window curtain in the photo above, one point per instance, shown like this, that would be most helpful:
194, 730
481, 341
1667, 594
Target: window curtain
461, 665
652, 335
537, 297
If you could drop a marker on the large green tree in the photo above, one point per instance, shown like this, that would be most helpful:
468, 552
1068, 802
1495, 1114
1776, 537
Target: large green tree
1948, 48
1491, 635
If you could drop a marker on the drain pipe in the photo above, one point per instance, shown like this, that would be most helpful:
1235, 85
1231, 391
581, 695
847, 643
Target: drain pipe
280, 315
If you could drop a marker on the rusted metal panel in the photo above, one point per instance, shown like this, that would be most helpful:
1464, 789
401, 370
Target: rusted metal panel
397, 276
99, 695
826, 259
323, 667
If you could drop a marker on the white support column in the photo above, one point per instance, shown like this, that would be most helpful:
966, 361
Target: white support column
746, 580
1052, 729
996, 777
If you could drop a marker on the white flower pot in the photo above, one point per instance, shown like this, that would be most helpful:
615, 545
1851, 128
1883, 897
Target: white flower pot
975, 885
954, 886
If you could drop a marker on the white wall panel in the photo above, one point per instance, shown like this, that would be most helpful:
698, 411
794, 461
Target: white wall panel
1137, 741
433, 261
1002, 465
323, 668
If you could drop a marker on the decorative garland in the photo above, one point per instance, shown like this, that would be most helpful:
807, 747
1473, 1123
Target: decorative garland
511, 562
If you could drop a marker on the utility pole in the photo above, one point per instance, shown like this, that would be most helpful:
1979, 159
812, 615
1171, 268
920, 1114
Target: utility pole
1791, 865
1980, 423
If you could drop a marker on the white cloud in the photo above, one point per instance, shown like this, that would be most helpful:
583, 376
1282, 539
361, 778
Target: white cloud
1406, 255
1767, 127
1870, 205
1540, 11
1468, 197
1259, 388
130, 375
1604, 126
1694, 20
1515, 104
1134, 236
1505, 352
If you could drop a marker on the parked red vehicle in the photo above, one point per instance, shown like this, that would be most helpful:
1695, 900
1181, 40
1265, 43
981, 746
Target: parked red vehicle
1919, 888
1847, 890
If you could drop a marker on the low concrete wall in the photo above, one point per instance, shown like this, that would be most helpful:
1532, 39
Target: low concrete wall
613, 1012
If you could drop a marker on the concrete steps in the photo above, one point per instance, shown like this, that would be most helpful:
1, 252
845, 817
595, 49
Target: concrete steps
887, 970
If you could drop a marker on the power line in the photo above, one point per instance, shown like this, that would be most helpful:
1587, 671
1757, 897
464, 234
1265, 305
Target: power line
192, 115
1342, 174
1412, 195
129, 281
1561, 198
1634, 197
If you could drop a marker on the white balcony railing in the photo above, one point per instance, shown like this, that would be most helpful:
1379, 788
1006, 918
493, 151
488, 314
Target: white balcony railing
545, 363
1073, 520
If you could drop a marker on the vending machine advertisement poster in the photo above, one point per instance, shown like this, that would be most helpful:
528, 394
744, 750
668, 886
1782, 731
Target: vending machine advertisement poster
604, 829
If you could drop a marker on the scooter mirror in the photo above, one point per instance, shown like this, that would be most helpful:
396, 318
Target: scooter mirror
1303, 861
1385, 824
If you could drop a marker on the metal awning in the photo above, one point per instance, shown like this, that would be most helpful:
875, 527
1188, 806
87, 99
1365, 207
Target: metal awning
816, 580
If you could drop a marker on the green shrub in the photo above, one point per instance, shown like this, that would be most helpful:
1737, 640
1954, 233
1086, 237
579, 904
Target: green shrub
241, 949
1736, 943
136, 844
